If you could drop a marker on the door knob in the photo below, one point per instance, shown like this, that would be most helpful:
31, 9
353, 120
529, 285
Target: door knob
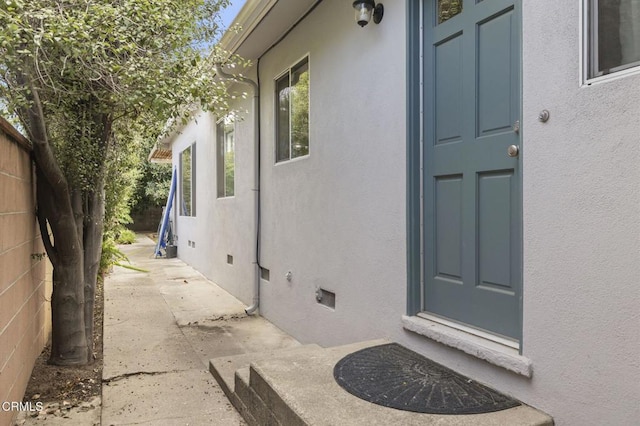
513, 151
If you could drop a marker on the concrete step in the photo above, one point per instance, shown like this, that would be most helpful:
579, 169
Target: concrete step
252, 408
224, 368
274, 381
296, 387
232, 374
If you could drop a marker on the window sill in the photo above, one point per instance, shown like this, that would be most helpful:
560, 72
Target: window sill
612, 76
292, 160
494, 352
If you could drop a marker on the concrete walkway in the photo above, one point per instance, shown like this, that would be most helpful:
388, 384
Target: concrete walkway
161, 327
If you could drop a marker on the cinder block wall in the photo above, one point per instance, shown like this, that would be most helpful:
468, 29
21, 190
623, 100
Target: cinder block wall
146, 221
25, 283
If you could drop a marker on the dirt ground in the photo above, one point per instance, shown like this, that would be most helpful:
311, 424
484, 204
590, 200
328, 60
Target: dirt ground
64, 388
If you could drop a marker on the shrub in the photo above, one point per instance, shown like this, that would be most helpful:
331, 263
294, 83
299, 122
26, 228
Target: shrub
110, 255
126, 236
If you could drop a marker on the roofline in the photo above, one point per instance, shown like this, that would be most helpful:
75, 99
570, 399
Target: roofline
248, 19
160, 155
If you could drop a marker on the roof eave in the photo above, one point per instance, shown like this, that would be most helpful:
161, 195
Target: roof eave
160, 155
247, 20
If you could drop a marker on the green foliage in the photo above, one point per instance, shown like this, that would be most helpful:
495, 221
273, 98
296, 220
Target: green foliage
131, 267
94, 62
186, 179
102, 76
85, 78
447, 9
132, 141
229, 172
152, 187
110, 254
127, 52
300, 114
126, 236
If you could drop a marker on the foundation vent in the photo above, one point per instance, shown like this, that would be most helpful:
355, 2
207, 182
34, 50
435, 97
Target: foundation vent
264, 274
326, 298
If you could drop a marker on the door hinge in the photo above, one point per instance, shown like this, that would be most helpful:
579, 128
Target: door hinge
516, 127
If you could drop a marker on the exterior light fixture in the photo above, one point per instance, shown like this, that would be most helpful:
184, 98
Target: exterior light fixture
365, 9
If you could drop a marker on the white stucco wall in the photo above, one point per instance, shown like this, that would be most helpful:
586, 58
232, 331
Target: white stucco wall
336, 219
221, 226
581, 227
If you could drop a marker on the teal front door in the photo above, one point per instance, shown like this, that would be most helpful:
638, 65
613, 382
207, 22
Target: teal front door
472, 177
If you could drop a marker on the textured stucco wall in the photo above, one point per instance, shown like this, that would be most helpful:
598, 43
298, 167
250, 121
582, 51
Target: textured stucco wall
336, 219
581, 227
221, 226
24, 287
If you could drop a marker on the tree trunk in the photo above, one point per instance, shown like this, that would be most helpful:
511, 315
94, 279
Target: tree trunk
75, 218
77, 226
68, 339
93, 229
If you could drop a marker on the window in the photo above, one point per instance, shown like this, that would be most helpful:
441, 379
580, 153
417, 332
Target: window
447, 9
225, 133
188, 181
614, 36
292, 104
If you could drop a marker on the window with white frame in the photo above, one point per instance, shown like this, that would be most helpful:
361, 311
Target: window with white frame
292, 106
226, 157
613, 36
188, 181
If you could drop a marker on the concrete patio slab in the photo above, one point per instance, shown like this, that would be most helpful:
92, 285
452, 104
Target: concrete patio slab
192, 299
172, 398
153, 374
162, 325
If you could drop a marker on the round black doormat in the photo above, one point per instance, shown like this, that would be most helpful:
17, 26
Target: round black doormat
394, 376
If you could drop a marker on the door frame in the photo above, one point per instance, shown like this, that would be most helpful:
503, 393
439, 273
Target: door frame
414, 162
